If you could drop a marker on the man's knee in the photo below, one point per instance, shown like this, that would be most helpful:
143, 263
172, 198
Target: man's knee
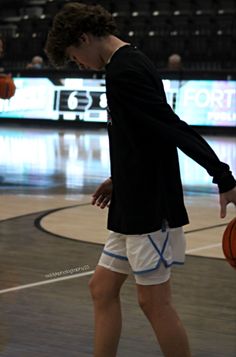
105, 285
153, 299
150, 306
97, 289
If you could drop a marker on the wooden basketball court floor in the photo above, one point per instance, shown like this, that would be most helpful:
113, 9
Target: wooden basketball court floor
51, 239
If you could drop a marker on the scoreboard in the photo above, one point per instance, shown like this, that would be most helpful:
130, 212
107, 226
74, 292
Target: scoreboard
203, 102
57, 99
198, 102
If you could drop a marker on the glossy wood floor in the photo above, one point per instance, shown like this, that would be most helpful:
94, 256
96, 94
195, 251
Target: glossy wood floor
51, 239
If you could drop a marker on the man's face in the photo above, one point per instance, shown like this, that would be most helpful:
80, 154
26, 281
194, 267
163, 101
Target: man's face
1, 48
86, 55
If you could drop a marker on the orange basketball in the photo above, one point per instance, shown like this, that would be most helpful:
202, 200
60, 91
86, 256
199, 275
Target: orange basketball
229, 243
7, 87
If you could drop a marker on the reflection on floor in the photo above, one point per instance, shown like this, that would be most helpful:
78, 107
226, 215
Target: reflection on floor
52, 160
77, 160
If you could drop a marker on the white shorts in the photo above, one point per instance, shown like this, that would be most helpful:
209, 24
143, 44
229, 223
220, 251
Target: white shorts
148, 256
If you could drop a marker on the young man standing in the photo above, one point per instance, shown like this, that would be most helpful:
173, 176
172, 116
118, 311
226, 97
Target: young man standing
144, 193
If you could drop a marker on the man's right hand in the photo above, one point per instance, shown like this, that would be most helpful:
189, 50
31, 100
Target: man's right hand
102, 195
225, 199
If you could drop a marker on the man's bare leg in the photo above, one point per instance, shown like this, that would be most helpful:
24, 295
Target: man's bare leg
155, 301
105, 288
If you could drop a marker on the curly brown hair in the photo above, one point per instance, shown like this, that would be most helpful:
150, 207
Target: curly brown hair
70, 23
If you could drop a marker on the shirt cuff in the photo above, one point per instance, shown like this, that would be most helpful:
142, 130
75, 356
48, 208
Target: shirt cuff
226, 182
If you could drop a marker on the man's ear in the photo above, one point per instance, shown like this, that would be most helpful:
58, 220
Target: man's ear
84, 38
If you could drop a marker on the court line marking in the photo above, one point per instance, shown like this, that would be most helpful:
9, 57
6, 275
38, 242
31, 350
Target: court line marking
38, 225
204, 247
79, 275
42, 212
206, 228
44, 282
39, 219
51, 281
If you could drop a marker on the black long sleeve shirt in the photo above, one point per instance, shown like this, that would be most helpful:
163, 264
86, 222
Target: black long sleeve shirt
144, 134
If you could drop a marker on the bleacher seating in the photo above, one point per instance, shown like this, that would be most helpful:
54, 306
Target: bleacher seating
203, 32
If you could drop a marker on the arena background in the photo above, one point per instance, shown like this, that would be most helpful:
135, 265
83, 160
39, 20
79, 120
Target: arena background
54, 152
